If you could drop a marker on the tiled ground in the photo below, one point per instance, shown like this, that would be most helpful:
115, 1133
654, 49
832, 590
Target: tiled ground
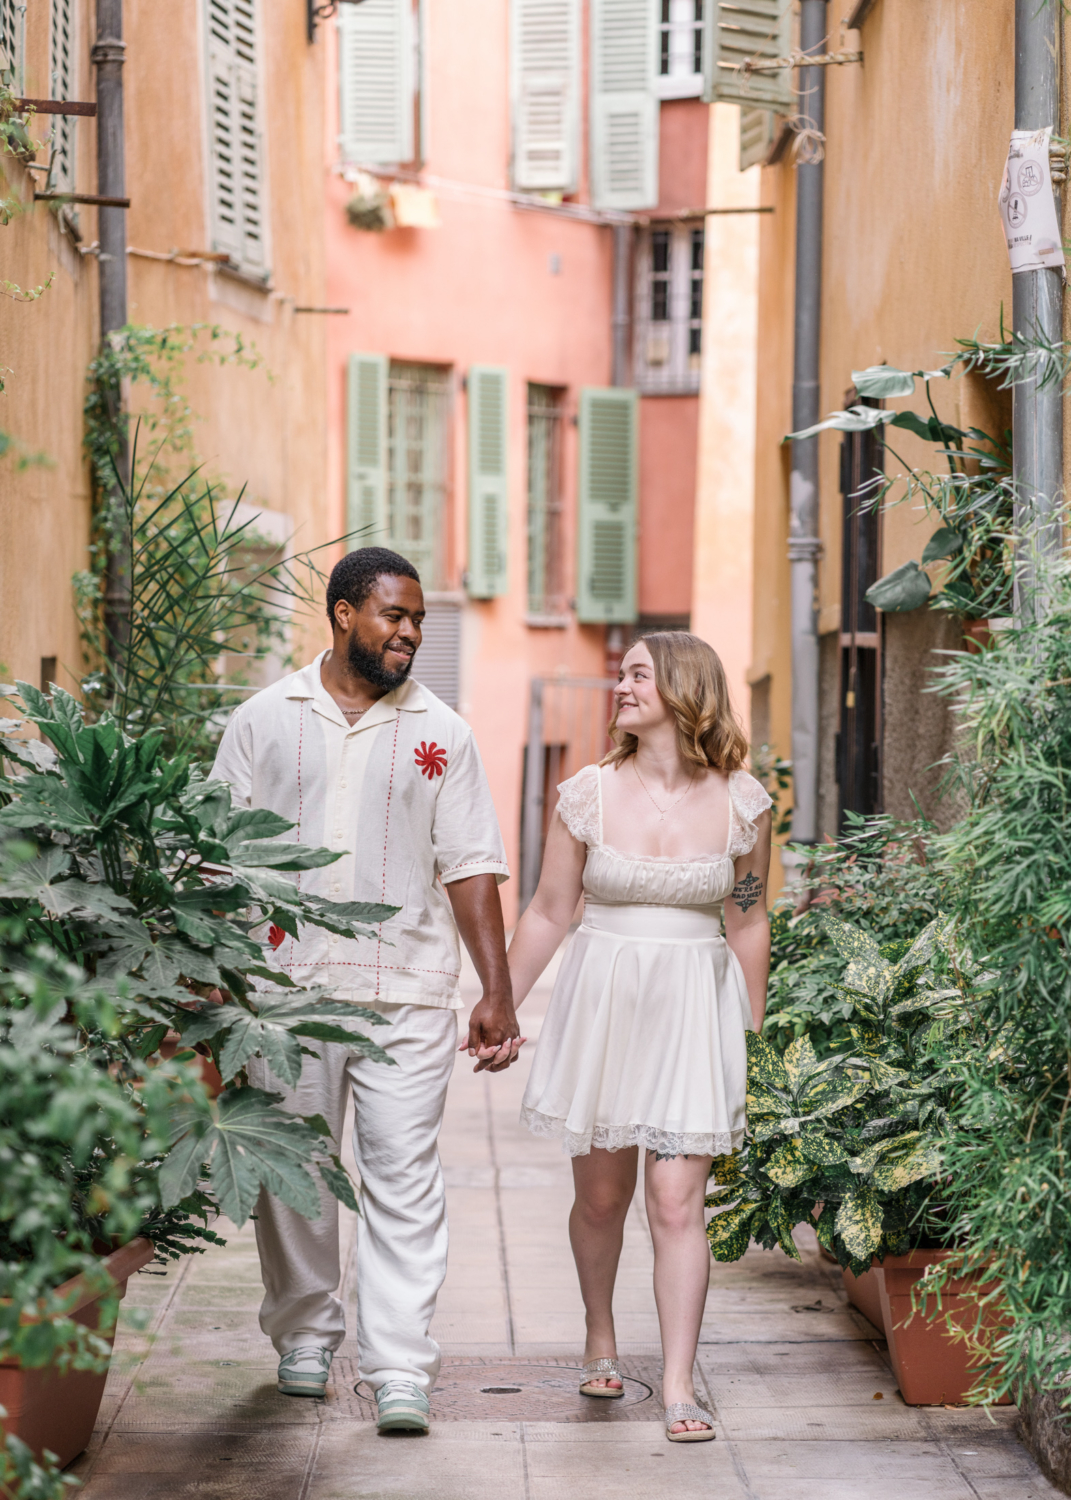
793, 1373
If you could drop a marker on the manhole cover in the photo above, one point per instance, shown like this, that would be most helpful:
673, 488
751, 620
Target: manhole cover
512, 1391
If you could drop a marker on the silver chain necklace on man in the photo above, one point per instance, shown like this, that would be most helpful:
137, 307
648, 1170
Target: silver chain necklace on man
661, 811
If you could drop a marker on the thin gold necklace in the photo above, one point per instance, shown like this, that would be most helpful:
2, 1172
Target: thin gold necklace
659, 810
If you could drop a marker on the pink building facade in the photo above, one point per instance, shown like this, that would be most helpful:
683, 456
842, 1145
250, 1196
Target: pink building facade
514, 223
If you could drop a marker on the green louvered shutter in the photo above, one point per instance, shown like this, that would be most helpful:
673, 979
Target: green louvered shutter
488, 392
737, 29
606, 548
758, 128
624, 110
366, 455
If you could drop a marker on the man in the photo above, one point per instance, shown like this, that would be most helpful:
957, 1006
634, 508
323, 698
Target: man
363, 759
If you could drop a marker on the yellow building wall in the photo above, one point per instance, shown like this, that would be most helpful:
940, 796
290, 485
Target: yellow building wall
913, 259
722, 558
263, 428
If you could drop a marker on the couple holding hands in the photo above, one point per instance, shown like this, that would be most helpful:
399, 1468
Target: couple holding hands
643, 1046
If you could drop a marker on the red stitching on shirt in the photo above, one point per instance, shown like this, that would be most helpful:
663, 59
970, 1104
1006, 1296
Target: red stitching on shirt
346, 963
386, 827
300, 739
501, 864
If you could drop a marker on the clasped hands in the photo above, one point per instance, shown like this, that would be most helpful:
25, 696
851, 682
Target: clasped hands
492, 1036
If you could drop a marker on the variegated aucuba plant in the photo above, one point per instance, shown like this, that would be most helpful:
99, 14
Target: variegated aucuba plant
856, 1136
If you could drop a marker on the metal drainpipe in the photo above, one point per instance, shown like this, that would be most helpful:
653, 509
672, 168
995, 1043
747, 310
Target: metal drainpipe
1037, 308
620, 371
803, 543
107, 57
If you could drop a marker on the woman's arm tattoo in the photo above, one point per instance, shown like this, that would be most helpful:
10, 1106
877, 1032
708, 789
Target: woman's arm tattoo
746, 892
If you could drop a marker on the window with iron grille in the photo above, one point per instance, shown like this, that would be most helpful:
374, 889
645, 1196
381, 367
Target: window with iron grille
11, 14
546, 590
418, 400
61, 77
680, 49
669, 310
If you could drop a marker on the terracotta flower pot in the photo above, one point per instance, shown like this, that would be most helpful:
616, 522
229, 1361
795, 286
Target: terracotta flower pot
54, 1410
931, 1368
864, 1292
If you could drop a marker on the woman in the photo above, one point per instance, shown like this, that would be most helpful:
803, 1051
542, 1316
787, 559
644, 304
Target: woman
643, 1043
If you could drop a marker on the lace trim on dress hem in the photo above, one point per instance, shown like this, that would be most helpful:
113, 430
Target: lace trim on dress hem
621, 1137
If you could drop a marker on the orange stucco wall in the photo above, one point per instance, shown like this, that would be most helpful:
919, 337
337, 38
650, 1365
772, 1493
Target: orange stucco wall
669, 427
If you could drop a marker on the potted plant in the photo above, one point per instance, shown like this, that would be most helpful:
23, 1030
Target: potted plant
860, 1133
131, 896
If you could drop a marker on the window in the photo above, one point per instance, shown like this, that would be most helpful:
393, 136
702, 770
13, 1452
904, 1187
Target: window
11, 14
858, 754
234, 133
418, 398
545, 92
379, 82
669, 310
546, 593
623, 104
680, 49
60, 69
737, 30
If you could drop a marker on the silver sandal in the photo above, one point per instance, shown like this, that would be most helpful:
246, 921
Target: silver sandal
687, 1411
602, 1369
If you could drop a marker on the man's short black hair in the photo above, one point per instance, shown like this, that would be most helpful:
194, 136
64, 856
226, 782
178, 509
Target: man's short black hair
354, 578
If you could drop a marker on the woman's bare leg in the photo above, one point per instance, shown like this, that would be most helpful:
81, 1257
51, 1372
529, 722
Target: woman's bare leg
675, 1188
605, 1182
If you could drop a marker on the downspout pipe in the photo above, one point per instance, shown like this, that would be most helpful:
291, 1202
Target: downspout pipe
107, 56
1037, 310
803, 542
620, 318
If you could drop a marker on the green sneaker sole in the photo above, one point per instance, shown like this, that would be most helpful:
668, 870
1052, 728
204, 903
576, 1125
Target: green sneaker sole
303, 1387
404, 1419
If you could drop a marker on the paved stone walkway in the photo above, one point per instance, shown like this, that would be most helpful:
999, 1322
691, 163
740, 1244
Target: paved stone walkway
807, 1408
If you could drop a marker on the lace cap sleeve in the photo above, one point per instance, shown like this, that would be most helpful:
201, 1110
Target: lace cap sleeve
750, 800
578, 804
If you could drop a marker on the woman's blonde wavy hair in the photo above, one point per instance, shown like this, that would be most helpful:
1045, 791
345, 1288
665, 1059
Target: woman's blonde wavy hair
691, 681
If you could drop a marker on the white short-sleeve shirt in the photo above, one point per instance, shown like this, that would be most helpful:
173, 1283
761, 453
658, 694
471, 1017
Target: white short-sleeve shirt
403, 793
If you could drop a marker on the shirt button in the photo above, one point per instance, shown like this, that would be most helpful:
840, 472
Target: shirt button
334, 938
342, 785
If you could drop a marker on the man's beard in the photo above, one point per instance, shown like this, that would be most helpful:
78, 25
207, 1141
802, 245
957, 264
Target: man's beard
369, 665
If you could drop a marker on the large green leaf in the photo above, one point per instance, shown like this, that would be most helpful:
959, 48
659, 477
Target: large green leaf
824, 1150
800, 1061
272, 1029
789, 1166
248, 1144
858, 1223
923, 1161
729, 1231
855, 419
878, 382
764, 1063
904, 589
945, 542
831, 1095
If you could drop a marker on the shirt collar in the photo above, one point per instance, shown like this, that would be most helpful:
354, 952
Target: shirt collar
408, 698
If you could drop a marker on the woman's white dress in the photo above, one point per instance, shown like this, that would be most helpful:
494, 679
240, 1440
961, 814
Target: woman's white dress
643, 1043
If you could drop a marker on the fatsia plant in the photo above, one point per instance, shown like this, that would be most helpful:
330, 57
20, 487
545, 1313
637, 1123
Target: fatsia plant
859, 1132
146, 878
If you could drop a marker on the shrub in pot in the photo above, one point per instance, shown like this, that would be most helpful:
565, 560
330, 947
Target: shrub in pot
857, 1136
132, 894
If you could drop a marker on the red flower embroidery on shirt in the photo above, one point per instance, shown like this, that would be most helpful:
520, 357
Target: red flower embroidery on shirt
276, 936
431, 760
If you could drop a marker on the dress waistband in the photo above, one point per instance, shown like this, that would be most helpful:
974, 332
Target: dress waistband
653, 924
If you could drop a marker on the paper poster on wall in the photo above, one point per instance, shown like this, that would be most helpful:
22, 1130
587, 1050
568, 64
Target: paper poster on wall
1027, 205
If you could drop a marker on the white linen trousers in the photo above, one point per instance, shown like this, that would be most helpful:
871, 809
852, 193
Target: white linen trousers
401, 1232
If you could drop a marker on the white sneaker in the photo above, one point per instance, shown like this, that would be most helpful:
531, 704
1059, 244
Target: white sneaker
304, 1371
402, 1406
